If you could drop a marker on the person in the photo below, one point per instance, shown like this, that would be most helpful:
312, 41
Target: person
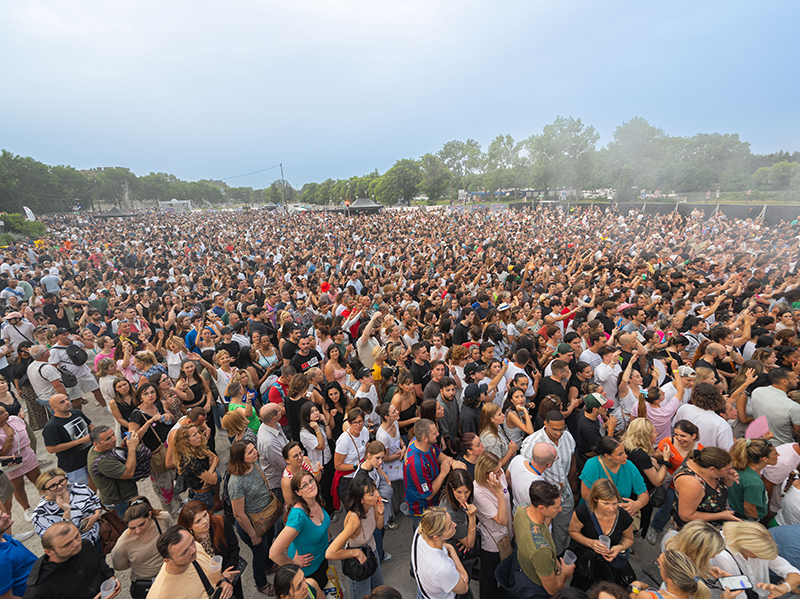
291, 583
62, 500
217, 537
250, 495
473, 398
602, 514
59, 356
66, 434
16, 444
536, 553
523, 471
590, 428
458, 500
305, 536
493, 502
654, 405
135, 549
295, 462
243, 404
751, 551
270, 443
350, 450
405, 400
680, 447
748, 495
44, 377
612, 463
471, 449
493, 435
783, 414
112, 477
389, 434
700, 542
195, 462
70, 567
365, 515
123, 404
681, 577
701, 487
436, 566
315, 433
518, 424
186, 568
704, 412
238, 428
16, 561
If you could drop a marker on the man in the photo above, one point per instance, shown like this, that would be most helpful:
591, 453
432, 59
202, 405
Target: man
637, 317
186, 569
228, 343
434, 387
425, 469
54, 310
279, 392
473, 400
523, 470
577, 388
365, 341
307, 357
563, 472
45, 378
591, 356
95, 324
10, 291
448, 423
17, 330
712, 359
607, 372
270, 443
590, 429
693, 328
291, 345
420, 368
783, 414
461, 333
70, 568
367, 389
112, 477
59, 357
66, 434
554, 385
536, 550
16, 561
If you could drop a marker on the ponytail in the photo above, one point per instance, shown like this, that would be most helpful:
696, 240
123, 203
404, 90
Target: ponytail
642, 408
683, 573
795, 475
749, 451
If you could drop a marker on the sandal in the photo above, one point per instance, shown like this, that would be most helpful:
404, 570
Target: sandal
267, 590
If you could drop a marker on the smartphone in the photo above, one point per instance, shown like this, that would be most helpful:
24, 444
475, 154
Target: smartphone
735, 583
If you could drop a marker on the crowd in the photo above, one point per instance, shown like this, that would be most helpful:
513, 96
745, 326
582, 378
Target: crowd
533, 390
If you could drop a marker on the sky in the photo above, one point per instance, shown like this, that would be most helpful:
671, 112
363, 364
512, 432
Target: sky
334, 88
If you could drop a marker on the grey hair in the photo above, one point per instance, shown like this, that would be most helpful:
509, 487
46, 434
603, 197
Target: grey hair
37, 351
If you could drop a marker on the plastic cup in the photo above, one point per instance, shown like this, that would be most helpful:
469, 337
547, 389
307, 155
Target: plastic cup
569, 558
216, 564
605, 540
404, 509
107, 588
316, 466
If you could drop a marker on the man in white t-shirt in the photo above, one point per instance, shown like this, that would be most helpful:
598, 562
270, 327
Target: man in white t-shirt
783, 414
688, 374
714, 429
368, 390
522, 471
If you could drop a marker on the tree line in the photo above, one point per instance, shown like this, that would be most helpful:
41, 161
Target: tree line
564, 155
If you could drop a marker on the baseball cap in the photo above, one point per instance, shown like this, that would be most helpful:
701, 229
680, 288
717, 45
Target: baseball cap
687, 371
595, 400
13, 315
363, 372
473, 391
225, 330
563, 348
472, 368
60, 331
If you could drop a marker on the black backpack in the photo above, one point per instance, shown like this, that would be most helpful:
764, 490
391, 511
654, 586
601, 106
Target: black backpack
77, 355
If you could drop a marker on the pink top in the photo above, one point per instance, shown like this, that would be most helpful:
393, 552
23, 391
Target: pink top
20, 446
661, 417
99, 357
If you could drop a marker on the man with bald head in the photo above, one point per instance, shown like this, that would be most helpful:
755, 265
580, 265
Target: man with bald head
711, 359
523, 471
66, 434
270, 444
70, 568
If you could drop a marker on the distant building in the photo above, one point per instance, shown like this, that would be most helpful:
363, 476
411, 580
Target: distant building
175, 205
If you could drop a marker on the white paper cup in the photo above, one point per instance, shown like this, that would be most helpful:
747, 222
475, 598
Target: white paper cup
107, 588
569, 558
605, 540
216, 564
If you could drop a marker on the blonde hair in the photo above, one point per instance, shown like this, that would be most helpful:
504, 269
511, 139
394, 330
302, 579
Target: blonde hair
147, 358
751, 536
702, 375
433, 522
48, 475
489, 411
683, 573
639, 435
221, 354
487, 462
602, 490
749, 451
178, 341
181, 448
235, 421
700, 541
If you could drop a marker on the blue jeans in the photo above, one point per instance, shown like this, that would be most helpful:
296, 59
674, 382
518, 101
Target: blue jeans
81, 476
377, 534
261, 559
664, 512
365, 587
206, 497
120, 508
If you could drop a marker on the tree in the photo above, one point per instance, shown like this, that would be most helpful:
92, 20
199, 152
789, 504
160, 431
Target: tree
636, 154
435, 177
400, 182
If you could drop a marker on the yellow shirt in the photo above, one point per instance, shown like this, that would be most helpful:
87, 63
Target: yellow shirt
184, 586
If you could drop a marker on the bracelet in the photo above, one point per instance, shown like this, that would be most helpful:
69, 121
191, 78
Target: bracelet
472, 528
788, 586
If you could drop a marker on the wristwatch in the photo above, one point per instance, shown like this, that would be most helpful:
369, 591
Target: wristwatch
634, 589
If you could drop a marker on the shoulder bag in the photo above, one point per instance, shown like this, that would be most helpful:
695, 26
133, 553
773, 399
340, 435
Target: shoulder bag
68, 378
266, 518
355, 570
158, 457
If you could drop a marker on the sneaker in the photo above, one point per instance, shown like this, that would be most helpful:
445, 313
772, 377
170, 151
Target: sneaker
393, 525
28, 514
23, 536
652, 536
387, 557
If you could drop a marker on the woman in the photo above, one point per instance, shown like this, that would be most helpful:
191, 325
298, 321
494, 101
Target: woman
790, 501
291, 583
63, 500
749, 495
351, 447
638, 441
493, 502
471, 449
268, 357
334, 407
679, 447
612, 463
336, 365
364, 515
295, 400
295, 463
457, 499
196, 463
250, 495
751, 551
105, 350
36, 412
237, 426
682, 579
305, 536
389, 434
242, 403
167, 394
151, 416
196, 392
405, 400
217, 537
315, 433
602, 514
493, 436
434, 562
174, 354
653, 405
518, 422
15, 443
701, 487
123, 404
136, 547
146, 363
123, 354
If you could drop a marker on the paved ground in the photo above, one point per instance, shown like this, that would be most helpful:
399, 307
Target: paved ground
396, 542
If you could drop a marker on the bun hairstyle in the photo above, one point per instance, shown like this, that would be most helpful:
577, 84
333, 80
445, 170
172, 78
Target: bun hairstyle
711, 457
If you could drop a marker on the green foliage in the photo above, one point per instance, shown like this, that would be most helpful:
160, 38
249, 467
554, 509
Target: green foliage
401, 182
17, 223
435, 178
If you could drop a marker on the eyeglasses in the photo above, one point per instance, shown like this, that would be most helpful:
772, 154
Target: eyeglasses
304, 486
361, 421
54, 486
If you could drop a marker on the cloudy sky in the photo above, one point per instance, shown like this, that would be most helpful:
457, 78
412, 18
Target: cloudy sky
340, 87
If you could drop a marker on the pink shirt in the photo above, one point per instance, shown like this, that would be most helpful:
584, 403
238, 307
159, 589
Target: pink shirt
661, 417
